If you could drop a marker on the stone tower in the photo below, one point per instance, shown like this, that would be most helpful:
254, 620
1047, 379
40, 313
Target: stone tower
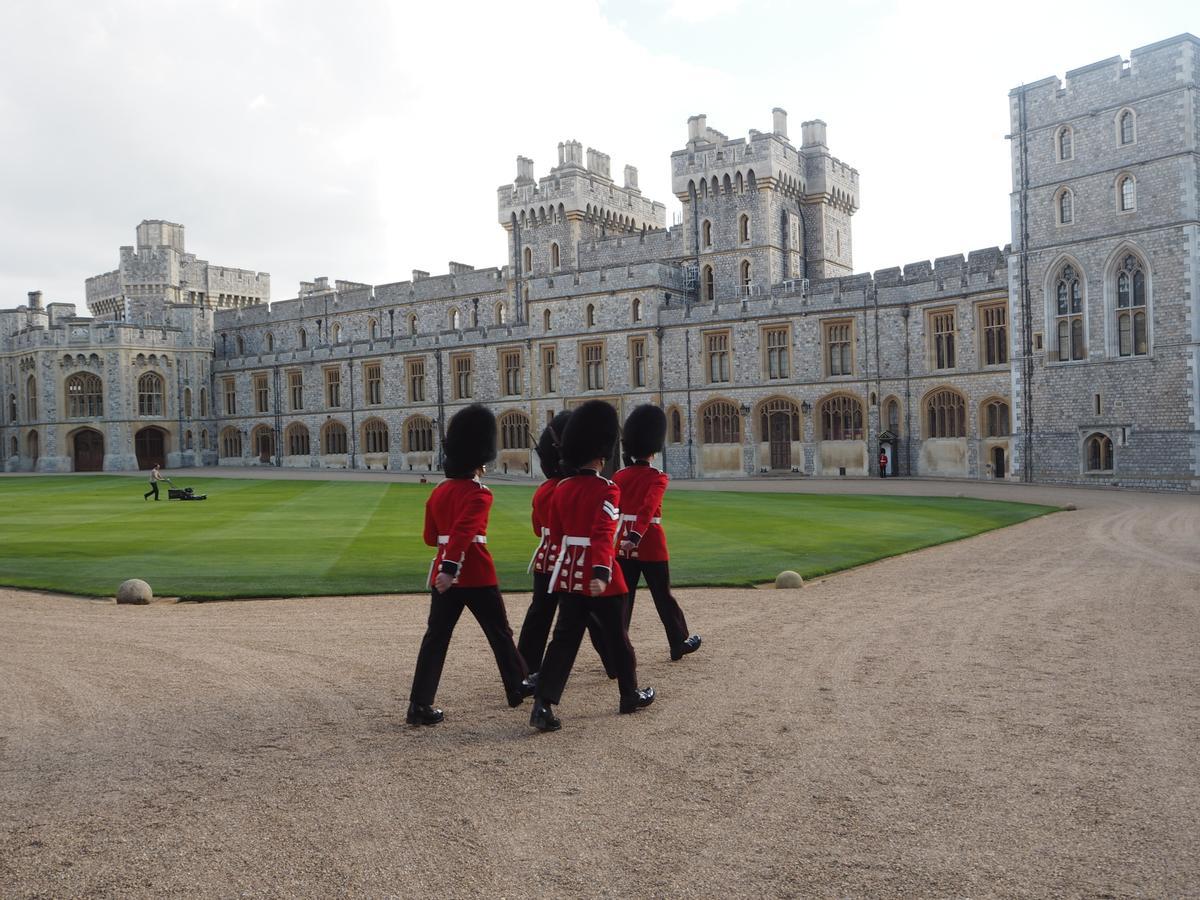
758, 211
547, 218
1104, 287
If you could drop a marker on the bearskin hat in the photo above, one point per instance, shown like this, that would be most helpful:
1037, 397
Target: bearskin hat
470, 441
645, 431
549, 446
591, 433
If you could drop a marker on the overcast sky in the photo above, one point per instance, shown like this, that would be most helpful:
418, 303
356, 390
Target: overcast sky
361, 140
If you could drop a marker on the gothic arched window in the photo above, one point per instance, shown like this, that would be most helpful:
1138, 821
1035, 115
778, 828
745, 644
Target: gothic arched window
1068, 314
1131, 308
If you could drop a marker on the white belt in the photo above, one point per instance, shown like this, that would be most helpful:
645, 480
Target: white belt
538, 548
444, 539
655, 521
567, 541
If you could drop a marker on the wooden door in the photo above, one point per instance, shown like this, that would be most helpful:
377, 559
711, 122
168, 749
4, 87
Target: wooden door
780, 437
151, 447
89, 451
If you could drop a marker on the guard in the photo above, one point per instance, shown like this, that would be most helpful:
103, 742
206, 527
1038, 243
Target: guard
538, 618
584, 513
643, 544
462, 573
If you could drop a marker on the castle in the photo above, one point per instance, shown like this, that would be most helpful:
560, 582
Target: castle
1069, 356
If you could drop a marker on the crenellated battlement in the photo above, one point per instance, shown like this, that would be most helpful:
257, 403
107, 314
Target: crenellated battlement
1109, 83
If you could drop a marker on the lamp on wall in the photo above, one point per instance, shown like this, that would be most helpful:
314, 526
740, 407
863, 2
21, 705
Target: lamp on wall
745, 409
806, 407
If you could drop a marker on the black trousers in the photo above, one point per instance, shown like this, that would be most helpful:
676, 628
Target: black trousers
487, 606
573, 613
535, 630
153, 490
658, 579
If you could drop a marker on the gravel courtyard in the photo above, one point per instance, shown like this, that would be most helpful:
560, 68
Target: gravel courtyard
1016, 714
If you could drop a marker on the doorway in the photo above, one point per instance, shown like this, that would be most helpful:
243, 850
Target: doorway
89, 451
150, 445
779, 428
998, 462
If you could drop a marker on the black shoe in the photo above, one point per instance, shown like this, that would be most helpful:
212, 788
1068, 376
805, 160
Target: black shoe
423, 714
691, 645
526, 689
636, 700
543, 718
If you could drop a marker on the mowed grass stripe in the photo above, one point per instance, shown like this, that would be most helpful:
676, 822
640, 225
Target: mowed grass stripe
86, 534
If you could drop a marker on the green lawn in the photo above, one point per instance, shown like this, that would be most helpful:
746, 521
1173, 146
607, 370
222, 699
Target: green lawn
269, 538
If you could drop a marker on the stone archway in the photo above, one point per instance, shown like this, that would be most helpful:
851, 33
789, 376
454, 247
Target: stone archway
151, 447
89, 450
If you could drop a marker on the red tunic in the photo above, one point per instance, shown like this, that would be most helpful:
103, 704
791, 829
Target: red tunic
584, 512
456, 516
642, 488
543, 556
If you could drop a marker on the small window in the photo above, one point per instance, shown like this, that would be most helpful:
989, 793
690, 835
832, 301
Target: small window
676, 427
549, 369
637, 362
416, 380
1125, 127
373, 379
270, 341
706, 234
744, 228
1066, 207
528, 260
554, 257
593, 366
501, 314
942, 327
707, 284
1066, 143
412, 325
373, 329
510, 372
455, 320
303, 336
545, 320
241, 346
637, 309
1127, 194
333, 388
717, 357
591, 315
463, 382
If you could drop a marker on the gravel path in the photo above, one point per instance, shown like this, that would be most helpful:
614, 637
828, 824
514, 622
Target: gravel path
1017, 714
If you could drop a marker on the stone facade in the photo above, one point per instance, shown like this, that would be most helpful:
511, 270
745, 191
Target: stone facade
742, 320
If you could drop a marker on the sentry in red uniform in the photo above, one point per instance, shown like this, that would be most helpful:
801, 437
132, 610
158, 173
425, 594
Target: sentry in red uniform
535, 630
642, 547
642, 489
462, 575
456, 519
584, 514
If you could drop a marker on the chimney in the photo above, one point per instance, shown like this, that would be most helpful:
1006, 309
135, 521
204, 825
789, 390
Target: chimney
693, 128
779, 121
524, 170
35, 299
417, 274
814, 133
631, 178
